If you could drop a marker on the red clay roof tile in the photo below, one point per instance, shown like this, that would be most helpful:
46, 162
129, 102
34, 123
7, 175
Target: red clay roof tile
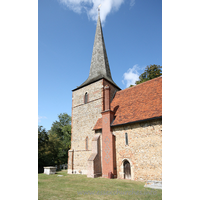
98, 125
140, 102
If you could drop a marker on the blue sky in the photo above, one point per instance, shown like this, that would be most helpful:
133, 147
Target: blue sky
66, 29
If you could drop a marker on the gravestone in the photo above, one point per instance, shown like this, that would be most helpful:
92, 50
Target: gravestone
153, 184
49, 170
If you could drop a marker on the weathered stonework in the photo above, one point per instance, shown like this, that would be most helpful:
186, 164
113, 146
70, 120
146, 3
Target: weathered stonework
84, 117
94, 161
49, 170
144, 150
70, 161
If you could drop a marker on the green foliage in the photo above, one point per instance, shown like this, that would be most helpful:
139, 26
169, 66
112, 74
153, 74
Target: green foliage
42, 138
43, 141
53, 146
151, 72
60, 139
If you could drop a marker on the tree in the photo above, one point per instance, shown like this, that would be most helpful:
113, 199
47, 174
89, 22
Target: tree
55, 149
43, 141
53, 145
60, 139
151, 72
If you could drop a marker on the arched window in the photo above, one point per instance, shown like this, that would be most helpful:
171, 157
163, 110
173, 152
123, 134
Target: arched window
86, 98
86, 143
126, 138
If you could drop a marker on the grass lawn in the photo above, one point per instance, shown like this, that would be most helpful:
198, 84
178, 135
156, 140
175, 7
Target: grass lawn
70, 186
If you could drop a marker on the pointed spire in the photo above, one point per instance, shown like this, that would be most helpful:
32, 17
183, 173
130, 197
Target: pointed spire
99, 63
99, 67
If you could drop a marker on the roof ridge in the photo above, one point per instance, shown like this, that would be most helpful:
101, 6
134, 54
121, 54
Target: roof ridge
139, 84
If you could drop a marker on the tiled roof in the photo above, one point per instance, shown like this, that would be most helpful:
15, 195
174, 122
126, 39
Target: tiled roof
98, 125
140, 102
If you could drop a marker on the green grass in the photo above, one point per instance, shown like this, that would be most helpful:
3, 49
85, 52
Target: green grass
70, 186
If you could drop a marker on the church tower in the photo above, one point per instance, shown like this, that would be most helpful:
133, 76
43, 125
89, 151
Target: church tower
88, 102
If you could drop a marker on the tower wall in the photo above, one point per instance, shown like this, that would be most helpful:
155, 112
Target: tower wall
84, 118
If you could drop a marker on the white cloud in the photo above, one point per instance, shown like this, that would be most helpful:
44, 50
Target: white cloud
131, 76
91, 7
41, 117
132, 3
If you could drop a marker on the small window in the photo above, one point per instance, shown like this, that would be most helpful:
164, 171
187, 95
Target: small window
86, 143
86, 98
126, 138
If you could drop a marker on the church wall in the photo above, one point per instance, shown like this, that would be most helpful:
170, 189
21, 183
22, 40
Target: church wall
144, 150
80, 161
84, 117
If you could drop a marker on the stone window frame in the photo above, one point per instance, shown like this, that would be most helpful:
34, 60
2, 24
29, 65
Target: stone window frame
122, 168
86, 143
86, 98
126, 139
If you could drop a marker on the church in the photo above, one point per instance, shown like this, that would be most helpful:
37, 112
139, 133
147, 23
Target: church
115, 133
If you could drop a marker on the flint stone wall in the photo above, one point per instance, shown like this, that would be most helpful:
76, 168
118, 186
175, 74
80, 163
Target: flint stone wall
144, 150
84, 117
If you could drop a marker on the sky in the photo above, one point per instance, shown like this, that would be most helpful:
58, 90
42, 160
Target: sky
132, 32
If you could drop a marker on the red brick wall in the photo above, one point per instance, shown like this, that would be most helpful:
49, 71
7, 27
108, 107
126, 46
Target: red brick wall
108, 139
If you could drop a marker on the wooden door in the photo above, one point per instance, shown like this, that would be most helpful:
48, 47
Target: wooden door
127, 170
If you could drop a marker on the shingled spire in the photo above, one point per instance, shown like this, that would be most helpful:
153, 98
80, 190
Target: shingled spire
99, 67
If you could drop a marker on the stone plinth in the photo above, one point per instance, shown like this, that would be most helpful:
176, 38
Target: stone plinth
49, 170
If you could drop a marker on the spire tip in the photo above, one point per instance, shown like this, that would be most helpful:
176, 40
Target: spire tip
99, 9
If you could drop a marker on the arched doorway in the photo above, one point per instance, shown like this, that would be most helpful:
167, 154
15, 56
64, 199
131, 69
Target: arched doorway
127, 170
